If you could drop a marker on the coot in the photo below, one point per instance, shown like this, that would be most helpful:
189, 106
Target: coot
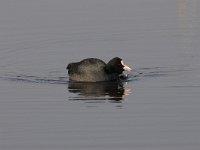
96, 70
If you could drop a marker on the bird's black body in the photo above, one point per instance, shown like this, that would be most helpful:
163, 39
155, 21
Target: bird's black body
95, 70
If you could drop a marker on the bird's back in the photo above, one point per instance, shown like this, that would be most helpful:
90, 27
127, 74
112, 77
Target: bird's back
90, 70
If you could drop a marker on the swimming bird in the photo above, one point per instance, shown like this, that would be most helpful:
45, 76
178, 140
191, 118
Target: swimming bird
96, 70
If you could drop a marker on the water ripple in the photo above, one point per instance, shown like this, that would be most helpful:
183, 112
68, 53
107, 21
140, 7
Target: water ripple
35, 79
55, 78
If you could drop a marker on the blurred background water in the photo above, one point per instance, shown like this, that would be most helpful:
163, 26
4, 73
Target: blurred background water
156, 108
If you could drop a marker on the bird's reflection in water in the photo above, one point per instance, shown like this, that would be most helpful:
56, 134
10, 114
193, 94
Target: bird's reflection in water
97, 92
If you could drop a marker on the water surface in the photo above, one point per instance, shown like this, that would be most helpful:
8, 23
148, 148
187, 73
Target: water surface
156, 108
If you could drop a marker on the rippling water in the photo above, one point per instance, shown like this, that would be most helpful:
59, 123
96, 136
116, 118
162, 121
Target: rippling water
156, 107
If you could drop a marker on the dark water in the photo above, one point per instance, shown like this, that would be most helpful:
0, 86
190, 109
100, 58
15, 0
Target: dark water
157, 107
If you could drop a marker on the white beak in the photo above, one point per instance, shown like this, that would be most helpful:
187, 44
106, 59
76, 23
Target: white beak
126, 67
